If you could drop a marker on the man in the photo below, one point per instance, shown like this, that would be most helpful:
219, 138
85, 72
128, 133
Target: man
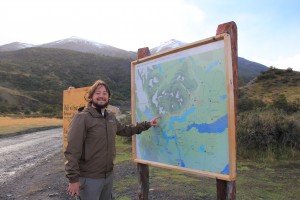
91, 145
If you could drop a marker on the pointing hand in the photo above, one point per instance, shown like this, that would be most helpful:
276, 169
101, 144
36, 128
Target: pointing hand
154, 122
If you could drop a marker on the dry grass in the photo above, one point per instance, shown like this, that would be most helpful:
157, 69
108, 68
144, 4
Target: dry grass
10, 125
274, 82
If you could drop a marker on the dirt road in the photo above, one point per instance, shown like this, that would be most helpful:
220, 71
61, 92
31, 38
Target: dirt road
21, 153
32, 166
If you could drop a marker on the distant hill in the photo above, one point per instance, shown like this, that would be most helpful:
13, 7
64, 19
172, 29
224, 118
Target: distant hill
15, 46
41, 75
272, 83
33, 77
248, 70
86, 46
170, 44
75, 44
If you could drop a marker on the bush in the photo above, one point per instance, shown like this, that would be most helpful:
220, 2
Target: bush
267, 75
294, 106
289, 70
267, 130
246, 104
281, 103
3, 108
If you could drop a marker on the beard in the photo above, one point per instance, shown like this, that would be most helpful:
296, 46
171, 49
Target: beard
98, 106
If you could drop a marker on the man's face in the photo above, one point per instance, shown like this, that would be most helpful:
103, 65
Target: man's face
100, 97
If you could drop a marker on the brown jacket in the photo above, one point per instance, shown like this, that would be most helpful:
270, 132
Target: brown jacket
91, 143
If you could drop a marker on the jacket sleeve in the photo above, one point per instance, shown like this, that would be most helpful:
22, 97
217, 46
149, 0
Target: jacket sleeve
129, 130
73, 152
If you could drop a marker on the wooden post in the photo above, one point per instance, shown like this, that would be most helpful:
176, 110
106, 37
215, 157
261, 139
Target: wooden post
226, 189
143, 169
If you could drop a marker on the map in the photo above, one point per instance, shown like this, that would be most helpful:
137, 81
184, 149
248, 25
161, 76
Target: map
188, 90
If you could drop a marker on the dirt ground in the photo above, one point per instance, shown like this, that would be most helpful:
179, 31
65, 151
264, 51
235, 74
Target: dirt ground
47, 181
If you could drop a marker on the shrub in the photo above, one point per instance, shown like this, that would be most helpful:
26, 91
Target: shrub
3, 108
294, 106
281, 103
246, 104
265, 130
289, 69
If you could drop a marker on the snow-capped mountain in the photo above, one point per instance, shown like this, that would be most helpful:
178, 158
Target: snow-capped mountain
15, 46
170, 44
87, 46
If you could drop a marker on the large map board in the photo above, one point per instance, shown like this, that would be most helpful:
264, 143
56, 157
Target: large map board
191, 89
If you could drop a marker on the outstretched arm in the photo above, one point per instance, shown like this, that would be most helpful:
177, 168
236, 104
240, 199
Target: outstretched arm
129, 130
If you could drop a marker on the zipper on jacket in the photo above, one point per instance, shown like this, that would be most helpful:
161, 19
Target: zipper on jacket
107, 147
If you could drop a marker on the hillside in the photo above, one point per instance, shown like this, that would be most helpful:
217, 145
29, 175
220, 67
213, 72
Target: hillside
248, 70
15, 46
75, 44
272, 83
42, 74
33, 78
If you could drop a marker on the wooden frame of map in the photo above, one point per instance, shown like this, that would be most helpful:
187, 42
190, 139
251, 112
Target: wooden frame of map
191, 89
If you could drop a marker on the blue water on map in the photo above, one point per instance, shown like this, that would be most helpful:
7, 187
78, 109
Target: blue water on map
181, 119
224, 97
225, 170
212, 65
161, 71
216, 127
202, 148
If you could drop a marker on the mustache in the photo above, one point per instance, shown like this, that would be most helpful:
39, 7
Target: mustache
103, 99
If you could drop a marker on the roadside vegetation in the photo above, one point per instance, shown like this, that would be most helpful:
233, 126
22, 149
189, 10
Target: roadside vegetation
268, 125
264, 177
17, 125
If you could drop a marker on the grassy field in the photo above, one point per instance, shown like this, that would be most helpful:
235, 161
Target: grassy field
12, 125
272, 179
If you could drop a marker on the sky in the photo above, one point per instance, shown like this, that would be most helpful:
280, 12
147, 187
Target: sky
268, 30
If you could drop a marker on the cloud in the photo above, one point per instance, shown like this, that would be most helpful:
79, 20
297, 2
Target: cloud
127, 24
281, 62
288, 62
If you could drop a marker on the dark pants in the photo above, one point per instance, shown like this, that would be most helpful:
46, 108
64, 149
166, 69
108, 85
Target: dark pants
96, 189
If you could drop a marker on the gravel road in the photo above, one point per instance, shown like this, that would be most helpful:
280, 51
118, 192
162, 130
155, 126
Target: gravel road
23, 152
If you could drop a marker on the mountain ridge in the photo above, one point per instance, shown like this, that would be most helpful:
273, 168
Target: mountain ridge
14, 46
87, 46
41, 74
247, 69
